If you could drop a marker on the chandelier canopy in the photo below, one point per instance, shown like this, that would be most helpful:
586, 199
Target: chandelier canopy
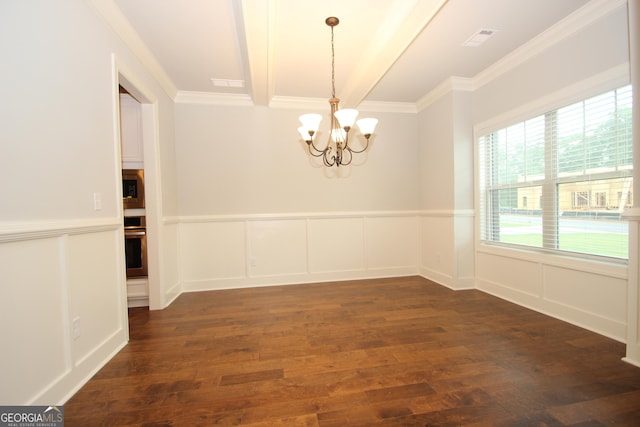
337, 150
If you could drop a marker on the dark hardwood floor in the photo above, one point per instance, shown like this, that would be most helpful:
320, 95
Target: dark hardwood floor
386, 352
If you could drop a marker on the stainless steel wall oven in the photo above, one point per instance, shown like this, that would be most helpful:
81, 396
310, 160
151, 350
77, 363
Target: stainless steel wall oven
135, 245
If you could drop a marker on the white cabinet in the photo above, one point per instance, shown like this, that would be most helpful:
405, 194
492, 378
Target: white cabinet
131, 132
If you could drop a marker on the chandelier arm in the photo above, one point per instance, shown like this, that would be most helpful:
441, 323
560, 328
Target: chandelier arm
347, 150
314, 148
360, 151
346, 138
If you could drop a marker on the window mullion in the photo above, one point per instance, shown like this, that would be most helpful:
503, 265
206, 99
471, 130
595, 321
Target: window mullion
550, 186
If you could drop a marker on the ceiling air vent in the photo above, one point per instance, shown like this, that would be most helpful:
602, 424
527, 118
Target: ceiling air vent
227, 83
479, 37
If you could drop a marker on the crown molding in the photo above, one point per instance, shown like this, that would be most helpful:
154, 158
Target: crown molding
123, 29
586, 15
210, 98
451, 84
287, 102
290, 102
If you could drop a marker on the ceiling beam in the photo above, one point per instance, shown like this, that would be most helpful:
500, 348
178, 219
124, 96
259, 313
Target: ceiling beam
405, 21
254, 25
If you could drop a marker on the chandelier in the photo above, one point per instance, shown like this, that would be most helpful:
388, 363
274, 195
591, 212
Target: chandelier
337, 150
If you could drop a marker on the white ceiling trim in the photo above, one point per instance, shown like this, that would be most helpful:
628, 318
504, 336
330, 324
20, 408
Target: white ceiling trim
586, 15
322, 104
123, 29
451, 84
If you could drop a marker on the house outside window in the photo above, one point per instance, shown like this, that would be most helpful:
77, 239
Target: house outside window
576, 161
580, 199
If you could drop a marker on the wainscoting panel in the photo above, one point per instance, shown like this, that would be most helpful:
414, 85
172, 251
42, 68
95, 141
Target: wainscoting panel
437, 248
277, 247
94, 299
336, 245
519, 276
169, 275
35, 333
213, 250
391, 242
587, 293
256, 250
446, 247
64, 306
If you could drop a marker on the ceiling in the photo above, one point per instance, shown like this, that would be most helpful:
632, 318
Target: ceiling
393, 51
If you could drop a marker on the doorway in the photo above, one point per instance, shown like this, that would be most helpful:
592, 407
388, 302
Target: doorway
133, 199
136, 126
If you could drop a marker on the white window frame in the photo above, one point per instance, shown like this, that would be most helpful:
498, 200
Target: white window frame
599, 84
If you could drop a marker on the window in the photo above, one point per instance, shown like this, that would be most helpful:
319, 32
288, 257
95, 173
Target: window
601, 199
580, 199
576, 161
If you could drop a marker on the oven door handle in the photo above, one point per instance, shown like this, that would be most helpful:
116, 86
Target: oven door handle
135, 233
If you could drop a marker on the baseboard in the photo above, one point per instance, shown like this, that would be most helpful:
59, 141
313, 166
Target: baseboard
633, 362
78, 376
294, 279
437, 276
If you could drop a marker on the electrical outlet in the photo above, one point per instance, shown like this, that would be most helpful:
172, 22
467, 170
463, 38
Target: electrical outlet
76, 328
97, 201
252, 261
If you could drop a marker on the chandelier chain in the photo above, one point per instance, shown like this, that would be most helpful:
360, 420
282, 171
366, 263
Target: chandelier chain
333, 68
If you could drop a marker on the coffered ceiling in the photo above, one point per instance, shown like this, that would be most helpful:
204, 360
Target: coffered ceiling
269, 51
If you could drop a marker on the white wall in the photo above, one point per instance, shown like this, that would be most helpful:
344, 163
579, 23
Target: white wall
250, 160
61, 256
446, 171
589, 60
255, 209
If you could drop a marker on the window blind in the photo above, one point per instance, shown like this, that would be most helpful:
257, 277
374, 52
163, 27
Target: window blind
559, 181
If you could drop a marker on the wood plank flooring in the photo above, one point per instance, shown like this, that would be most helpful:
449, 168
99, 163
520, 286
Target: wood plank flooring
384, 352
